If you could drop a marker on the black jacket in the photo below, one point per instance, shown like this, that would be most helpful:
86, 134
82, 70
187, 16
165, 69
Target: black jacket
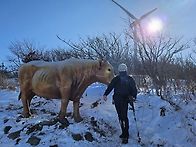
119, 88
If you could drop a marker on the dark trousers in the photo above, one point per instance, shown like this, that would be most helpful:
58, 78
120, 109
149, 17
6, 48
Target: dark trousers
121, 105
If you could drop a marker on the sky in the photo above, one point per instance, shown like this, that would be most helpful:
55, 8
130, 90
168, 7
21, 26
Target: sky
40, 21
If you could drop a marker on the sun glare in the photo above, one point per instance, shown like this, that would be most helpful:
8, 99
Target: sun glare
154, 25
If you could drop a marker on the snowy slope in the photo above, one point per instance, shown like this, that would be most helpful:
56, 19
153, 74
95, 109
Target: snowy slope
100, 126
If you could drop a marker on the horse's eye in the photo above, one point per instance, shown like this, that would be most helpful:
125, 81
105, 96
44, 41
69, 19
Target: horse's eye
109, 69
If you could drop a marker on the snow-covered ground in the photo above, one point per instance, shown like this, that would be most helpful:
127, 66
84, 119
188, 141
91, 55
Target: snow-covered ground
100, 126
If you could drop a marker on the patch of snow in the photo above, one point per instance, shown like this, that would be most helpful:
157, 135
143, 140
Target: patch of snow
176, 128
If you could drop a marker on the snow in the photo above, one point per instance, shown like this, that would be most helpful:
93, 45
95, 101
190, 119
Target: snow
175, 129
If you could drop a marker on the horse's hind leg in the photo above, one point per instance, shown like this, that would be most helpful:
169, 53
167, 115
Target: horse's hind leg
25, 104
30, 97
26, 98
76, 113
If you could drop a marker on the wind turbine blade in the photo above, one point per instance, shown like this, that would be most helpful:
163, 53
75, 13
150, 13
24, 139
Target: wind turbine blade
145, 15
142, 34
126, 11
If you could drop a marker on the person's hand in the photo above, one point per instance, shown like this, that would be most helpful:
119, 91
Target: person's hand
105, 98
134, 99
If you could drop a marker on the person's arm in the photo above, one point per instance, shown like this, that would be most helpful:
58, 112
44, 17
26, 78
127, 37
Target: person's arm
110, 87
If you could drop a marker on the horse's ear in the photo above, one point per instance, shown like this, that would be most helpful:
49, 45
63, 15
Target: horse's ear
101, 62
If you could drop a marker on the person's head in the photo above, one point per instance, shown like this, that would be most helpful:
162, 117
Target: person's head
122, 68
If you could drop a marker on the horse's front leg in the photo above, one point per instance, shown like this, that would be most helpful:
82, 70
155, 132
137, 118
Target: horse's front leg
76, 104
76, 113
64, 104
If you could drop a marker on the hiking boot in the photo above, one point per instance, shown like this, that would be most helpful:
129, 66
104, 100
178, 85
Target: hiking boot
121, 136
124, 136
124, 140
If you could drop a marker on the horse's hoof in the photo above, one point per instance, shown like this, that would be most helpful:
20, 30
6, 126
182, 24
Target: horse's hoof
26, 115
78, 119
64, 121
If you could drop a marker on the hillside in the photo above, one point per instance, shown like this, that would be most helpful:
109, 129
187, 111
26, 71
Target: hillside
100, 126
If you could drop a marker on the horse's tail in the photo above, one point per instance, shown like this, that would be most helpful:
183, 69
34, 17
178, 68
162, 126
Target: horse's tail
19, 96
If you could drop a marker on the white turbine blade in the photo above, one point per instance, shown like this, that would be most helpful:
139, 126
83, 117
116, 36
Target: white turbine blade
126, 11
145, 15
132, 24
142, 34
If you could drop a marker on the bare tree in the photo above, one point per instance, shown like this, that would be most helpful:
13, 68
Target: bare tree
193, 55
4, 75
24, 51
190, 71
156, 56
60, 54
109, 47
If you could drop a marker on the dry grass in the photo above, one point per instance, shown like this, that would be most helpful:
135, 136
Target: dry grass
3, 81
6, 83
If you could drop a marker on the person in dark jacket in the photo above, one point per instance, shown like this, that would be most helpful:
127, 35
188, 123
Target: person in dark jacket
124, 87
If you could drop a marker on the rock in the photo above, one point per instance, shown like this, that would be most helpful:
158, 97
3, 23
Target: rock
94, 122
18, 140
69, 114
14, 135
81, 104
101, 132
55, 145
41, 133
6, 129
49, 123
34, 111
18, 119
89, 137
160, 145
62, 126
53, 114
64, 121
36, 127
33, 140
43, 110
77, 137
162, 111
95, 104
5, 120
